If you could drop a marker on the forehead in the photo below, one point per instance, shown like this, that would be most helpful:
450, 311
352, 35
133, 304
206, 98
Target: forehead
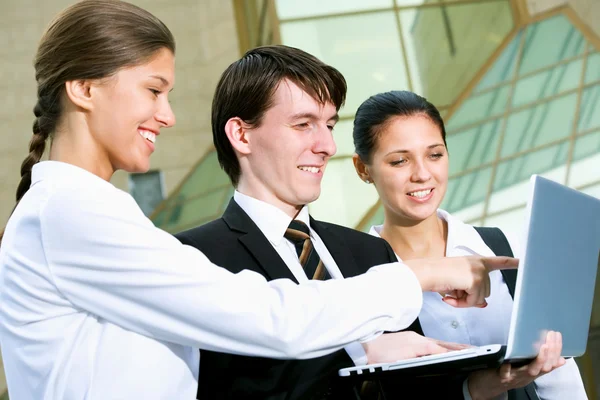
413, 131
161, 66
290, 99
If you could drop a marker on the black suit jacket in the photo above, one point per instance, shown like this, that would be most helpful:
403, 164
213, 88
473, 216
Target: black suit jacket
235, 242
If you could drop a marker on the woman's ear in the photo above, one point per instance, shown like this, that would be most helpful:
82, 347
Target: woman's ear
79, 92
361, 168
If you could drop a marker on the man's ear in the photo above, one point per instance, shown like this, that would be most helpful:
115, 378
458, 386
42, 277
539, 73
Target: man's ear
79, 92
361, 168
237, 132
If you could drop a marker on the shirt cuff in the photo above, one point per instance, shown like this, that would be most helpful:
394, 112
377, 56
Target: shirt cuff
357, 352
466, 393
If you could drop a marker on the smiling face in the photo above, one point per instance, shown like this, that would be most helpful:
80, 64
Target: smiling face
409, 168
289, 150
129, 109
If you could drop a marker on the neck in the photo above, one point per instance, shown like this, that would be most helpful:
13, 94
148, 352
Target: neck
77, 149
263, 194
413, 239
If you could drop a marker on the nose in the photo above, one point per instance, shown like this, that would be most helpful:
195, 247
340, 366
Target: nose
420, 173
165, 115
324, 143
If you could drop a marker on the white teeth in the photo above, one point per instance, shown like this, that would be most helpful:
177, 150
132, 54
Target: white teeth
147, 135
420, 194
314, 170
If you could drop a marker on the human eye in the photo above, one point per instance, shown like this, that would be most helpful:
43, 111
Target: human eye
155, 92
303, 125
398, 162
436, 156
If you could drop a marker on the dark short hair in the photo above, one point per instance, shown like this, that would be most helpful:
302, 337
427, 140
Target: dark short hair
247, 86
375, 112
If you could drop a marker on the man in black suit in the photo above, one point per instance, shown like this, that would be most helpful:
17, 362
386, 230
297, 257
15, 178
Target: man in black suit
272, 118
275, 177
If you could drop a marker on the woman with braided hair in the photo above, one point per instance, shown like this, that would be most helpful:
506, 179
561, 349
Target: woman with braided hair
98, 303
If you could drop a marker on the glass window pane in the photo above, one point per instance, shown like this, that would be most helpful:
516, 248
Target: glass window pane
345, 198
511, 222
480, 107
467, 190
453, 43
147, 189
365, 48
197, 210
520, 169
593, 190
503, 68
511, 196
539, 125
471, 214
207, 175
309, 8
589, 117
592, 69
548, 83
476, 146
375, 219
585, 167
550, 41
587, 145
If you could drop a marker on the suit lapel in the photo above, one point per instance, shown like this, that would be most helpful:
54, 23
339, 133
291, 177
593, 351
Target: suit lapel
510, 277
337, 248
256, 243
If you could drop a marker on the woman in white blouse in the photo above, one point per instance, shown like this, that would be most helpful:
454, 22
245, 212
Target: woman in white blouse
400, 143
98, 303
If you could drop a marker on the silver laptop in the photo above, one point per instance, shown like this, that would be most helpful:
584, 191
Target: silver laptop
554, 289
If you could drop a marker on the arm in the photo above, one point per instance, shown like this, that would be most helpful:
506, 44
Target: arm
108, 259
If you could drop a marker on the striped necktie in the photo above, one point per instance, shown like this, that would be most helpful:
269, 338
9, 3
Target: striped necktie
299, 234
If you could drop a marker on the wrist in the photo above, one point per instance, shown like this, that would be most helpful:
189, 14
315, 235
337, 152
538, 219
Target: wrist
423, 271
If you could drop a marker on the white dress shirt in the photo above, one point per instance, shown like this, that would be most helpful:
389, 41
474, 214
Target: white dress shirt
97, 303
489, 325
273, 222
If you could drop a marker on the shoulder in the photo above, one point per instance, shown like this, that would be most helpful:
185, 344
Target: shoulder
77, 202
205, 235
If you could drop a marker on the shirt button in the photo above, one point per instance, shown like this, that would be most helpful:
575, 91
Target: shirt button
454, 324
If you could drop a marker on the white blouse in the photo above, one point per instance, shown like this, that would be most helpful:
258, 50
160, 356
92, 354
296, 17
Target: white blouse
97, 303
489, 325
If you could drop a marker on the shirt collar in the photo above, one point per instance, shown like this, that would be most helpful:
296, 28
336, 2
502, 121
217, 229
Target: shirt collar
460, 235
271, 221
58, 170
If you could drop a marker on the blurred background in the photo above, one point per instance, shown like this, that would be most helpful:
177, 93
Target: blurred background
517, 81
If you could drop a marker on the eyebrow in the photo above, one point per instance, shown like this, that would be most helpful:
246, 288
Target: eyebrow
408, 151
164, 81
310, 115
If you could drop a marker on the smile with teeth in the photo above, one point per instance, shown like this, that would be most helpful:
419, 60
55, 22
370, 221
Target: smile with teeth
314, 170
149, 136
420, 193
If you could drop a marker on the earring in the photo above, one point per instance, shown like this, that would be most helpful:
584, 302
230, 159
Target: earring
367, 181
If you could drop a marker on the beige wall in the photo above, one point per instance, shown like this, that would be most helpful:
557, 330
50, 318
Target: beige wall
588, 10
206, 44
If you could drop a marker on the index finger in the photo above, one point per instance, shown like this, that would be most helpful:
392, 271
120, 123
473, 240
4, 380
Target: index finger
498, 263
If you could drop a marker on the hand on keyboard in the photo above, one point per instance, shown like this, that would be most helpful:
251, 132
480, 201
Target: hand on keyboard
392, 347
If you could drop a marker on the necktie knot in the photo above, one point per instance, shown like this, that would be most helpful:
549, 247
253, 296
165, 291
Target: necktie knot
297, 232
